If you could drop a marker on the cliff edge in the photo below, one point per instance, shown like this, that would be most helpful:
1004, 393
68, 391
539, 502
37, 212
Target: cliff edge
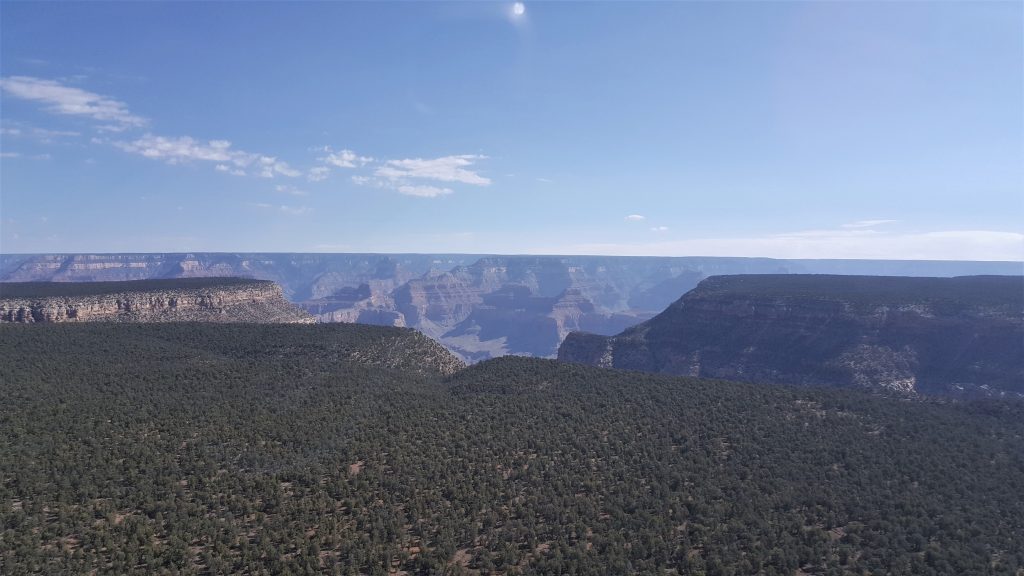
962, 335
173, 300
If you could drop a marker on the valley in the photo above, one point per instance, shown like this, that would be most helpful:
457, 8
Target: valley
477, 306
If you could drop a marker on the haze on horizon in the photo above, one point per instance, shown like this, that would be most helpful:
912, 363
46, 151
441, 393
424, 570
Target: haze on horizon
788, 130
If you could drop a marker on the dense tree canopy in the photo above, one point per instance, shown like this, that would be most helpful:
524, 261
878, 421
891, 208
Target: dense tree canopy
263, 449
52, 289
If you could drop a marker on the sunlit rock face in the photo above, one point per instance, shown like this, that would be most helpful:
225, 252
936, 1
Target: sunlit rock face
169, 301
906, 335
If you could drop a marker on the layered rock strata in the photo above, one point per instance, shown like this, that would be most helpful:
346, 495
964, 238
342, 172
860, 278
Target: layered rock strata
156, 301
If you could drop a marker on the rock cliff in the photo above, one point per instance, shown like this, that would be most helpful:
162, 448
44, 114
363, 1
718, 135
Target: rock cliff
180, 300
931, 335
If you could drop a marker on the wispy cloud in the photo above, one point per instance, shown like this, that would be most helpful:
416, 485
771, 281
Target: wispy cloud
27, 156
634, 218
293, 210
335, 159
43, 135
284, 208
424, 177
290, 190
187, 149
423, 191
270, 167
68, 100
114, 116
229, 170
659, 228
868, 223
318, 173
344, 158
444, 169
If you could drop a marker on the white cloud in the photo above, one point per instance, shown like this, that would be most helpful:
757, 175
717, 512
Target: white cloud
659, 228
290, 190
290, 210
545, 180
344, 159
68, 100
20, 155
635, 218
42, 135
407, 176
186, 149
270, 166
318, 173
868, 223
445, 169
229, 170
293, 210
341, 159
116, 117
423, 191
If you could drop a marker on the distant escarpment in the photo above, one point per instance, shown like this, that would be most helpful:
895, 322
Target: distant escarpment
177, 300
961, 335
478, 306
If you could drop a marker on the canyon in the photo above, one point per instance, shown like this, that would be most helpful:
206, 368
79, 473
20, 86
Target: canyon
478, 306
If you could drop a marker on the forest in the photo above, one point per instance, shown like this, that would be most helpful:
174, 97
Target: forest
351, 449
58, 289
956, 294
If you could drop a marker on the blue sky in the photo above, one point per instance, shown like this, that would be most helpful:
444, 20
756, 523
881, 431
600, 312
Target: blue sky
784, 129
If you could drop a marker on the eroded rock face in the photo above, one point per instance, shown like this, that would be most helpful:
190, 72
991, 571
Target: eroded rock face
252, 301
933, 335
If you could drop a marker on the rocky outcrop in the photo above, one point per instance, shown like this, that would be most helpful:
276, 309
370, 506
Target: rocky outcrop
209, 300
932, 335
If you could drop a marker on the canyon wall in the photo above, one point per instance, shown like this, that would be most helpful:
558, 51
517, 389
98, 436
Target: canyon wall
960, 335
182, 300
